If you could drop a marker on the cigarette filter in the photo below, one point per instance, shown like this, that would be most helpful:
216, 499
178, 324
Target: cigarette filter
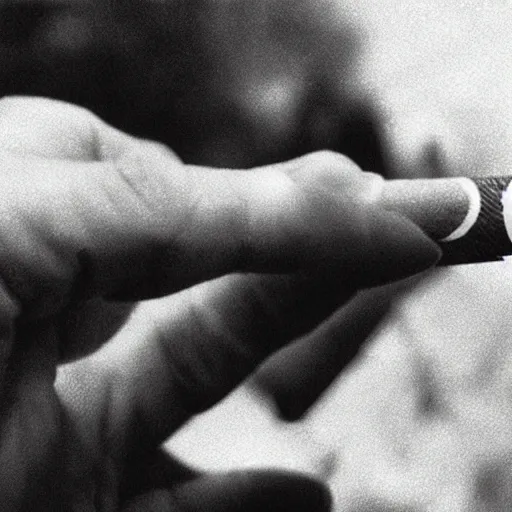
471, 219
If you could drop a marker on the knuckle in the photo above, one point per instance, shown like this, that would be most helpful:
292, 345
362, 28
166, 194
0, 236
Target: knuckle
150, 178
325, 167
334, 175
327, 159
9, 104
47, 127
135, 171
19, 106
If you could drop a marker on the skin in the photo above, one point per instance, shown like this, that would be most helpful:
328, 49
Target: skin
431, 81
85, 206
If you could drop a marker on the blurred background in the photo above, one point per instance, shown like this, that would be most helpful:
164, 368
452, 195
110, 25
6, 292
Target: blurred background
419, 422
226, 83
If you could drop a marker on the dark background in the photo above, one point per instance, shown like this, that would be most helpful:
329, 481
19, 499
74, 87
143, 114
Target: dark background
224, 83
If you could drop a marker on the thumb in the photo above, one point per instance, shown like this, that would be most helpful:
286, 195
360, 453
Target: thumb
247, 491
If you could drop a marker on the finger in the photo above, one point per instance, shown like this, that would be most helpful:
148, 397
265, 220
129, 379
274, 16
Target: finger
147, 470
145, 226
180, 355
297, 375
84, 326
52, 129
46, 128
247, 491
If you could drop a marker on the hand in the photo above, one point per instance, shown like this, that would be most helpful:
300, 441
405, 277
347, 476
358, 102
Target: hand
416, 89
93, 218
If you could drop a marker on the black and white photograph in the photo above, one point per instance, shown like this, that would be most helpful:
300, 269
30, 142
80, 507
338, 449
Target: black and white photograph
255, 255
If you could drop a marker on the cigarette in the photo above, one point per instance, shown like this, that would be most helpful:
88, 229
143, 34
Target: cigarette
471, 219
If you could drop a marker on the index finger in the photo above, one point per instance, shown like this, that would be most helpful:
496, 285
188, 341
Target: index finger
145, 225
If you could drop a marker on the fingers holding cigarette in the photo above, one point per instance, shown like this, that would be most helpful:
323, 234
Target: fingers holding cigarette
471, 219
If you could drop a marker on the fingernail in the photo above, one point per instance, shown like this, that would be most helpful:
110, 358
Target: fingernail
400, 248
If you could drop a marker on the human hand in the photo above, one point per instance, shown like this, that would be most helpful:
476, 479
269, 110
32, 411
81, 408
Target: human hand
93, 218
